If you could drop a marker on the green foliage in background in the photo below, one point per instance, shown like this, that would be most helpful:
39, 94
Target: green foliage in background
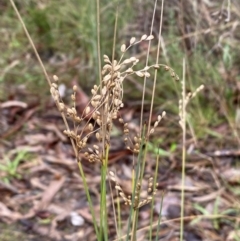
9, 167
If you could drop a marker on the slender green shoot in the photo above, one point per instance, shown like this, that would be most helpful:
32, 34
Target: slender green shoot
183, 125
86, 189
103, 202
132, 213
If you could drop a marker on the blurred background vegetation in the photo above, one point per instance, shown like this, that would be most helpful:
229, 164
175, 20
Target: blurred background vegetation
206, 33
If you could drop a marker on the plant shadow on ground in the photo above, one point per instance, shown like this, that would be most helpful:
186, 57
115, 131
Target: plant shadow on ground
66, 42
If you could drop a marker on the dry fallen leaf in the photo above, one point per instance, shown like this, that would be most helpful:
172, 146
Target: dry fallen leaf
50, 192
231, 175
6, 213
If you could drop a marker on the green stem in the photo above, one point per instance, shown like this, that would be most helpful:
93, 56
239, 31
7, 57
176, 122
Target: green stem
137, 175
89, 199
134, 224
98, 43
183, 122
103, 204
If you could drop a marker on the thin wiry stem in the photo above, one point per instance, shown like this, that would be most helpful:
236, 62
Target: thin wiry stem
135, 181
134, 231
155, 72
103, 204
183, 125
98, 42
153, 200
114, 209
31, 42
147, 58
105, 107
115, 33
118, 229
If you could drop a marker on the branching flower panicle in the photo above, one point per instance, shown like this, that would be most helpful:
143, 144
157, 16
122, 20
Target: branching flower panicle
151, 190
97, 118
185, 100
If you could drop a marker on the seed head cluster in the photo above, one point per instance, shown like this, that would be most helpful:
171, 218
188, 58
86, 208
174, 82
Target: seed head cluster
104, 105
96, 120
185, 100
151, 190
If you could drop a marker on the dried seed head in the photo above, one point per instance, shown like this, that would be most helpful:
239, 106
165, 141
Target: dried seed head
74, 111
132, 40
137, 146
123, 48
117, 67
96, 147
87, 110
151, 131
75, 88
136, 61
53, 90
147, 74
106, 59
61, 107
150, 37
117, 102
98, 136
139, 73
121, 120
104, 90
96, 97
155, 124
69, 111
132, 59
201, 87
85, 139
114, 62
144, 37
94, 103
135, 150
54, 85
55, 78
93, 92
90, 127
99, 122
78, 119
126, 61
112, 173
129, 70
73, 97
106, 78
